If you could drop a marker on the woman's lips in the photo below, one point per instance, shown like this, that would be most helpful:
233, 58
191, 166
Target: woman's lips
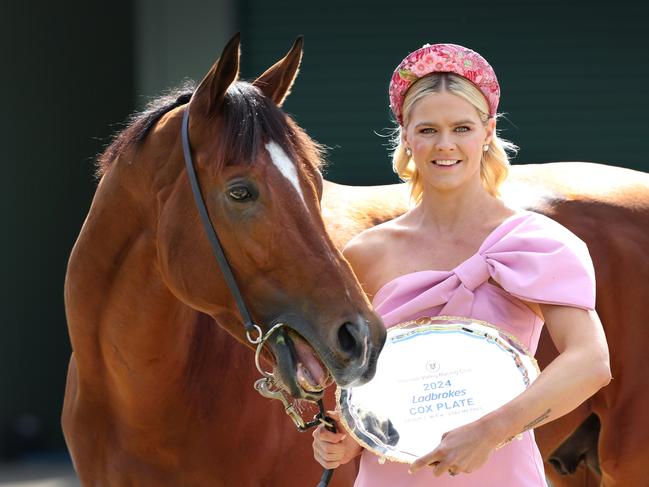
446, 162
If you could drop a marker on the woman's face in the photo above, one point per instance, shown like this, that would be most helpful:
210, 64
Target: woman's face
446, 137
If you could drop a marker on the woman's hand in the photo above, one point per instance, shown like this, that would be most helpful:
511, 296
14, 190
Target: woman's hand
334, 449
461, 450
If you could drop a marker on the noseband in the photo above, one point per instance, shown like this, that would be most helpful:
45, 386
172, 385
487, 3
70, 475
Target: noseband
266, 386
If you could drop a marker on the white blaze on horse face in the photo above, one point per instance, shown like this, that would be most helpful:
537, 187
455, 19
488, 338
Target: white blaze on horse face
285, 166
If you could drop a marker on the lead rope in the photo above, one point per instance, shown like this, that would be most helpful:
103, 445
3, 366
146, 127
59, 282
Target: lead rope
331, 426
266, 386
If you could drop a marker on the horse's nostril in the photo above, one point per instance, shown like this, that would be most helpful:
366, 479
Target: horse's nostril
558, 465
347, 338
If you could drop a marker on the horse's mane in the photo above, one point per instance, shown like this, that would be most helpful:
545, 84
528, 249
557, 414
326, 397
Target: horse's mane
248, 119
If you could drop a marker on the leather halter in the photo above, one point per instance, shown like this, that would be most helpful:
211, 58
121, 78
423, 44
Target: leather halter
266, 386
213, 238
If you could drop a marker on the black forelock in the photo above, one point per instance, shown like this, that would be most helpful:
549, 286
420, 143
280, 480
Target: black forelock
248, 120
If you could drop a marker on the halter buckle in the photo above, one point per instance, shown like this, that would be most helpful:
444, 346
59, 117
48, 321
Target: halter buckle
260, 334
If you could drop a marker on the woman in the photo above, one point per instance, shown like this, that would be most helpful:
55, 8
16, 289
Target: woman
461, 251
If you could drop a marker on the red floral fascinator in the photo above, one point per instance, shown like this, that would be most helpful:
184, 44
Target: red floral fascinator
443, 58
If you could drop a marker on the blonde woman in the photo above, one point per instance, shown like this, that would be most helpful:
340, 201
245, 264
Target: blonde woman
461, 251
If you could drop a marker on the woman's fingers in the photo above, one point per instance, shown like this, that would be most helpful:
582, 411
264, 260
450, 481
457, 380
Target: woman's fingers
323, 434
329, 455
326, 464
444, 467
333, 449
428, 460
328, 449
439, 459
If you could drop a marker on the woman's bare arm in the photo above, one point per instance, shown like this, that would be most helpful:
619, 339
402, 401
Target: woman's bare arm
580, 370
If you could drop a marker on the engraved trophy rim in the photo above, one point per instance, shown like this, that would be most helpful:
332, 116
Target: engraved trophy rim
434, 323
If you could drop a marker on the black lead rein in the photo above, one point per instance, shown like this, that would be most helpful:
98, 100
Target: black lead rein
250, 326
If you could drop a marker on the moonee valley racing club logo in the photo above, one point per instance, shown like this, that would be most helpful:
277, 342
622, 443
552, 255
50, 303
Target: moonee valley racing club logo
432, 366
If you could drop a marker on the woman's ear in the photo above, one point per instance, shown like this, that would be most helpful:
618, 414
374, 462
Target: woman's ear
491, 130
404, 141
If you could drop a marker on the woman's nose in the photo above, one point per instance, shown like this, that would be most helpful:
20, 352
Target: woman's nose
444, 142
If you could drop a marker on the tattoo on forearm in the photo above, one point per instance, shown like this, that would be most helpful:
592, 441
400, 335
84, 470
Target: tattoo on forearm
537, 421
528, 426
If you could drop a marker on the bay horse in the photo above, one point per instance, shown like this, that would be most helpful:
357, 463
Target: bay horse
179, 408
158, 391
605, 441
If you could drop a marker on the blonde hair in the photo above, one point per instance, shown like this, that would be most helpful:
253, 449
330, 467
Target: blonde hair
494, 166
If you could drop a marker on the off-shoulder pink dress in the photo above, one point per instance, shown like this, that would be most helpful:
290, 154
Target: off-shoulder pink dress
534, 259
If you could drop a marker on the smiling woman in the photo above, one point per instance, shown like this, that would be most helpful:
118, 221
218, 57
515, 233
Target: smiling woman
462, 252
493, 162
446, 145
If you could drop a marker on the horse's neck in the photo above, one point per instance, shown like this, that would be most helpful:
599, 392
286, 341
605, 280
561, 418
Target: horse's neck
121, 314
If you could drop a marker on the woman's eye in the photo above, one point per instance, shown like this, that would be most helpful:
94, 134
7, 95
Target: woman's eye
239, 193
427, 131
462, 128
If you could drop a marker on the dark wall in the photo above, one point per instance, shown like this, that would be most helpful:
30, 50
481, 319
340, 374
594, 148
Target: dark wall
573, 73
573, 76
67, 75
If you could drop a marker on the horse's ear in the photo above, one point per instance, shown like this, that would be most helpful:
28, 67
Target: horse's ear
277, 80
224, 72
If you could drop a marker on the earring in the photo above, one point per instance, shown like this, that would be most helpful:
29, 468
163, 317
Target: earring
485, 147
408, 152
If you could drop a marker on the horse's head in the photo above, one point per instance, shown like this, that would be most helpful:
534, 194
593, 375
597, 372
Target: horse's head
260, 178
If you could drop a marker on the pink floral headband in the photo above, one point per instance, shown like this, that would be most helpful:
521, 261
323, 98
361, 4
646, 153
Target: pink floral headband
443, 58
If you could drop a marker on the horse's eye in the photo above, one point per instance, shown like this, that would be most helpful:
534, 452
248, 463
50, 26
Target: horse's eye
239, 193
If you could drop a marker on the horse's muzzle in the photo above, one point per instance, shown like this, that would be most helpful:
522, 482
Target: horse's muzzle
306, 367
359, 342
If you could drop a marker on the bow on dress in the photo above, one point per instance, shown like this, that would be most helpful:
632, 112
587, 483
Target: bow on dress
532, 257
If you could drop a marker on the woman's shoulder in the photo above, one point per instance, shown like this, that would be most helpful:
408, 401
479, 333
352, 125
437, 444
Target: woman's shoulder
372, 242
371, 251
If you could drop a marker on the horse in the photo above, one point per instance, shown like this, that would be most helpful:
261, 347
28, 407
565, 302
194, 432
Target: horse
158, 391
605, 441
148, 400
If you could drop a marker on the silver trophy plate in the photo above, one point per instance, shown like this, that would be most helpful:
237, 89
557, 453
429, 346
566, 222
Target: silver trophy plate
434, 375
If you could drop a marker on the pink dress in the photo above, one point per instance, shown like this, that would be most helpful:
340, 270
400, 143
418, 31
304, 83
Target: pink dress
534, 259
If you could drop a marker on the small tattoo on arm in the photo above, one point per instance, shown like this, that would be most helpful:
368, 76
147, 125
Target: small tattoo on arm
537, 421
